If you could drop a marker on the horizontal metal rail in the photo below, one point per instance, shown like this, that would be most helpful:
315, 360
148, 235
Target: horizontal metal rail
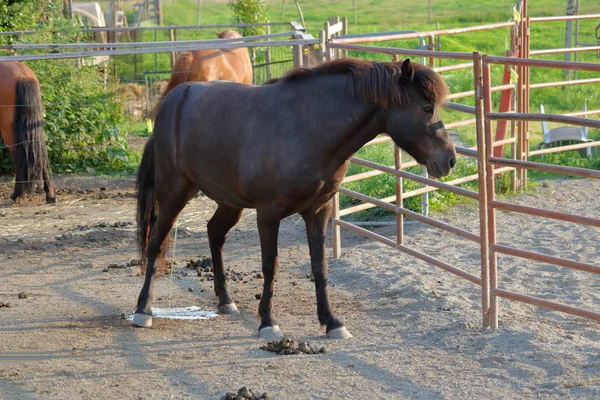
460, 107
416, 35
448, 68
416, 192
458, 124
581, 113
530, 255
410, 214
536, 301
558, 149
409, 251
563, 83
403, 174
564, 50
406, 52
558, 215
361, 176
469, 93
469, 152
161, 28
564, 18
82, 54
530, 62
558, 169
502, 142
566, 119
90, 45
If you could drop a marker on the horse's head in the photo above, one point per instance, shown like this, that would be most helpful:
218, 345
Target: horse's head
416, 125
228, 34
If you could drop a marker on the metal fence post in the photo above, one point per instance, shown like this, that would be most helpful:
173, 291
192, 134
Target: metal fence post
482, 174
336, 240
268, 55
491, 189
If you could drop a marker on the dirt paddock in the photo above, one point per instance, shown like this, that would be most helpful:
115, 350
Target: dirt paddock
417, 330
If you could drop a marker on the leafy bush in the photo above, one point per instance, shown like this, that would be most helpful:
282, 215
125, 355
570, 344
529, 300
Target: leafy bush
82, 113
250, 12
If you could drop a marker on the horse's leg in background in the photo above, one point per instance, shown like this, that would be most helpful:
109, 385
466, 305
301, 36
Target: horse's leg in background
172, 196
7, 114
222, 221
268, 229
316, 227
49, 187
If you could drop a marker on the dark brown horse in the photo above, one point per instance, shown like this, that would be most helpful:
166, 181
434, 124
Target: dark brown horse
282, 148
22, 128
210, 65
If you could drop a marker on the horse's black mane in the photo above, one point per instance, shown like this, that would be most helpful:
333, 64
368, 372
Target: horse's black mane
378, 82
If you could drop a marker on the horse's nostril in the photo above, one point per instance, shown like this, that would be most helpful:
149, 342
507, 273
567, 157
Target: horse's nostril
452, 162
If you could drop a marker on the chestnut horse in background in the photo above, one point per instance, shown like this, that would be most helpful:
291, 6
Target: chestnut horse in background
22, 128
210, 65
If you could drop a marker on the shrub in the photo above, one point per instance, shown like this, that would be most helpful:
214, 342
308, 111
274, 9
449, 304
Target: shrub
250, 12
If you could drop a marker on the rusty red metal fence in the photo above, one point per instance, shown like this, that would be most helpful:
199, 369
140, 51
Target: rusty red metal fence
490, 163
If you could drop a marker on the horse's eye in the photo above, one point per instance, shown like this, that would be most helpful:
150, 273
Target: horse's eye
428, 109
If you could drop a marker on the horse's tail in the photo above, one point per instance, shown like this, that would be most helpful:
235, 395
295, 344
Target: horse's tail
180, 74
146, 200
30, 155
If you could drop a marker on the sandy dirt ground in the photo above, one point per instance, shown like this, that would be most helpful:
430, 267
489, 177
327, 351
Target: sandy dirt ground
417, 329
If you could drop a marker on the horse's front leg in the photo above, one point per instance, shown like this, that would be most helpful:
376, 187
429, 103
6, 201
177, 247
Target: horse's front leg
268, 229
316, 226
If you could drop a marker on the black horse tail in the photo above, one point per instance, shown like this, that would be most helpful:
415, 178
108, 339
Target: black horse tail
30, 154
147, 204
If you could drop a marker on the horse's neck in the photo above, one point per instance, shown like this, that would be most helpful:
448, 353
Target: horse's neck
358, 122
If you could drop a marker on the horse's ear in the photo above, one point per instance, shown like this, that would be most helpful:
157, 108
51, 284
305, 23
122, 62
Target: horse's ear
218, 34
407, 70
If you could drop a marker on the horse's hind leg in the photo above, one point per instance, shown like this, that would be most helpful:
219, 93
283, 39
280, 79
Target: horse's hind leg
316, 226
170, 205
222, 221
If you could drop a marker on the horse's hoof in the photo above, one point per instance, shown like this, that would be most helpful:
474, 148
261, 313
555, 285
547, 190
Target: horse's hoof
339, 333
9, 203
51, 201
230, 308
142, 320
270, 332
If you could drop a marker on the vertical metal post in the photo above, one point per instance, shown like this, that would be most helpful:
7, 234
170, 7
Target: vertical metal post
526, 92
298, 55
345, 31
135, 39
399, 184
155, 54
482, 175
514, 91
322, 46
172, 39
491, 211
327, 35
399, 200
336, 238
268, 55
432, 48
